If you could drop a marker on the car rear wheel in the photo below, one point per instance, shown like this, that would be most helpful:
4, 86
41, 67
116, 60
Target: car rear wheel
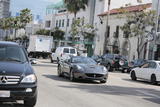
30, 102
153, 80
59, 71
71, 77
133, 76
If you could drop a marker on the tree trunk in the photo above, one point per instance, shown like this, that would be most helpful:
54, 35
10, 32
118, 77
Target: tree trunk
138, 52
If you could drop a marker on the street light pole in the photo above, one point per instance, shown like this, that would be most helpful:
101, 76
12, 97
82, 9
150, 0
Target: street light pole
156, 29
106, 35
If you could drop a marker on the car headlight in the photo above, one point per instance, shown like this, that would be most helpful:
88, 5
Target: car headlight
29, 79
104, 69
79, 67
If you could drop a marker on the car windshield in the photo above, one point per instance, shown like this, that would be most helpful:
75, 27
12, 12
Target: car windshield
11, 53
83, 60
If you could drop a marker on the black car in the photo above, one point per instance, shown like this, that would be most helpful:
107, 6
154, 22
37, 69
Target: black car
78, 67
115, 61
111, 61
17, 77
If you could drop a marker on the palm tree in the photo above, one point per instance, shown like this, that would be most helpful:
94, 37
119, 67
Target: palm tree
5, 25
75, 6
25, 17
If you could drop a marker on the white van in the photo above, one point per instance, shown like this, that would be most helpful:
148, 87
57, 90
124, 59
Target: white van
63, 53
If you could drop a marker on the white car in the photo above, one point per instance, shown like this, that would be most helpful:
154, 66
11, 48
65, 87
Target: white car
150, 71
63, 53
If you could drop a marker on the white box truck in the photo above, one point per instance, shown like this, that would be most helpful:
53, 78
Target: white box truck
40, 46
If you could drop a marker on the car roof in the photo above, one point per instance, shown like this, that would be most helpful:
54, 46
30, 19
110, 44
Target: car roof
8, 43
66, 47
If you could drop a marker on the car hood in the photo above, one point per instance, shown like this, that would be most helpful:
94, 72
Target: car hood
15, 69
90, 68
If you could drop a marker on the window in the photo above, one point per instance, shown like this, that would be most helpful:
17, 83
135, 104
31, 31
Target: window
11, 53
108, 31
145, 65
66, 50
48, 24
56, 23
68, 22
152, 65
72, 51
117, 32
59, 23
63, 23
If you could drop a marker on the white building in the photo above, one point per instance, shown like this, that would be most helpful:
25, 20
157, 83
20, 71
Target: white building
118, 41
4, 12
58, 16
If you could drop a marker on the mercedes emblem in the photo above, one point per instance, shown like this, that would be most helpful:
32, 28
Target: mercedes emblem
4, 79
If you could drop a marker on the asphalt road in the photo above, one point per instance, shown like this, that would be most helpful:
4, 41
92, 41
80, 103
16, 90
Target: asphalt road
119, 91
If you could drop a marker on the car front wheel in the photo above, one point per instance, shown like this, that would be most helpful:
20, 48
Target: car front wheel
59, 71
71, 77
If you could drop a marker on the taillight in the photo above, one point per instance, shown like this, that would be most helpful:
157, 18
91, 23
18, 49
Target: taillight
113, 62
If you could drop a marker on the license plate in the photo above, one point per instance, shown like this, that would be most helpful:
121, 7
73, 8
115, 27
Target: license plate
4, 94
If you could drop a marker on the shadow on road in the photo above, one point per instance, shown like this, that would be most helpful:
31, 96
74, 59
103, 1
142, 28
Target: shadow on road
65, 79
140, 81
147, 94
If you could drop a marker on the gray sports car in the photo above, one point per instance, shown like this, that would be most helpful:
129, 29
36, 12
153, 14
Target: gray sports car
78, 67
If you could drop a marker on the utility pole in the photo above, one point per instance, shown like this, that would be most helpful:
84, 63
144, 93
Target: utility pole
156, 30
66, 30
106, 34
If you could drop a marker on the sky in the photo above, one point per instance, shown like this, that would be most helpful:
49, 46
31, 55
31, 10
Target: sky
38, 7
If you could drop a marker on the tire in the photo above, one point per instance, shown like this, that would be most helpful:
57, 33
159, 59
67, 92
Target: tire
71, 76
133, 76
30, 102
52, 60
109, 68
59, 71
103, 81
153, 79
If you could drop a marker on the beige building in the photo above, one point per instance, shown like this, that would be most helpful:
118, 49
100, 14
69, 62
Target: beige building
118, 41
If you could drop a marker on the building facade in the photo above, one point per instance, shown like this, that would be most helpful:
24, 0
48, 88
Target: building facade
58, 16
4, 8
118, 42
4, 12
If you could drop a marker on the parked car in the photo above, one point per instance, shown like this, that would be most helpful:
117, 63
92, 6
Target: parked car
63, 53
97, 58
78, 67
52, 57
149, 71
137, 63
123, 63
114, 61
17, 78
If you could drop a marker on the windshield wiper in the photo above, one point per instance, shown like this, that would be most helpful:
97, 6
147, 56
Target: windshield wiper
12, 59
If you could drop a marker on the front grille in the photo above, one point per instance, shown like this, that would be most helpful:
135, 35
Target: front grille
9, 80
94, 75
